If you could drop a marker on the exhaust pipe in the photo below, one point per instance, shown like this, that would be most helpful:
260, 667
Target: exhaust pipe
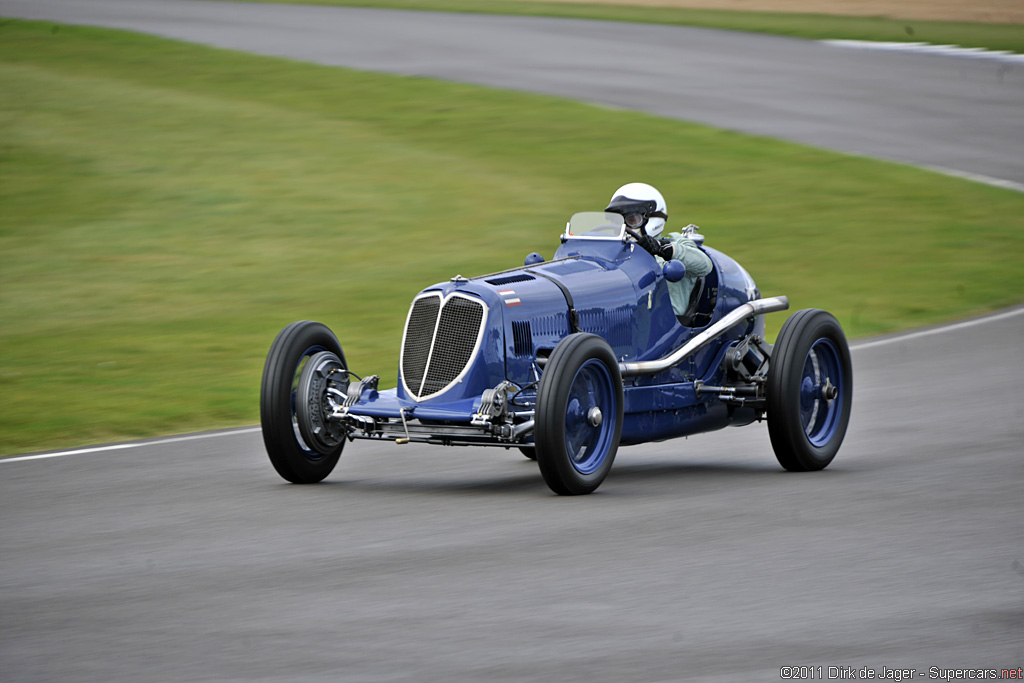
733, 318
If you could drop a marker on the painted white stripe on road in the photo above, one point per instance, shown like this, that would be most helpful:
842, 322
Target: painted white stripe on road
134, 444
976, 177
963, 175
936, 330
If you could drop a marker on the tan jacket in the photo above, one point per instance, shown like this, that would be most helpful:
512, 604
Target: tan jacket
698, 264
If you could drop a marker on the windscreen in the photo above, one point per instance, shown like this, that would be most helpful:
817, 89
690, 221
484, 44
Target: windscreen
595, 225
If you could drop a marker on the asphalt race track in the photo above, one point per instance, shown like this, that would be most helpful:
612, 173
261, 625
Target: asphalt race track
962, 114
696, 560
188, 559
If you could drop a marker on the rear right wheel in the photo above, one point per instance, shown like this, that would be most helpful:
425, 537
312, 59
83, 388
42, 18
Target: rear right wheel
809, 391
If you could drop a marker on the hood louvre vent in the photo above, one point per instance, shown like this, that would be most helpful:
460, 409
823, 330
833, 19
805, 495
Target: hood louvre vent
510, 279
522, 338
566, 268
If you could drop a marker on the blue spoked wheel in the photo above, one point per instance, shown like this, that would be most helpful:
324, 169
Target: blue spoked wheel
579, 415
809, 391
284, 400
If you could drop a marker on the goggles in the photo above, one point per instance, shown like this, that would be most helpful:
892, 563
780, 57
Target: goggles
636, 220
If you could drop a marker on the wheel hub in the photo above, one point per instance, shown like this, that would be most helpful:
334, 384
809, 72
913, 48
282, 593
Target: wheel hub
321, 381
829, 391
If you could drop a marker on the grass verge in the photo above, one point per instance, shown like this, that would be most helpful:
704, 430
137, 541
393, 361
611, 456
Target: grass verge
166, 208
813, 26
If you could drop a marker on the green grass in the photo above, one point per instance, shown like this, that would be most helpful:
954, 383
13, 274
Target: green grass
165, 209
815, 26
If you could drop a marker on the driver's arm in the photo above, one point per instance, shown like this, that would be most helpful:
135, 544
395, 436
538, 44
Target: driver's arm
698, 264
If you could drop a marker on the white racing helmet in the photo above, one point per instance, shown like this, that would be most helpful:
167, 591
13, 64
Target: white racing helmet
642, 206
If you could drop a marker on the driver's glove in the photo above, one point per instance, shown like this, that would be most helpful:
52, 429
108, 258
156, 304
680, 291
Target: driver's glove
668, 250
650, 244
656, 247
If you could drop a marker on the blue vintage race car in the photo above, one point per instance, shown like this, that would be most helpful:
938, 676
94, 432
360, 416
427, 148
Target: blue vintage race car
566, 360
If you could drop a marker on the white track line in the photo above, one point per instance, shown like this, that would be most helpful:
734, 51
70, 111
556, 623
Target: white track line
249, 430
929, 48
935, 330
134, 444
975, 177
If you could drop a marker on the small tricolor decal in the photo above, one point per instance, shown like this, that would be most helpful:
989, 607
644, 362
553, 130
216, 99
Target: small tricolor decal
509, 296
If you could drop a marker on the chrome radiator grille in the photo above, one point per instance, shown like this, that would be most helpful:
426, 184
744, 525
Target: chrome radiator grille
441, 339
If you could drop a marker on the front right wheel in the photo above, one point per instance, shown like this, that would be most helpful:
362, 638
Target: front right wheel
579, 415
809, 391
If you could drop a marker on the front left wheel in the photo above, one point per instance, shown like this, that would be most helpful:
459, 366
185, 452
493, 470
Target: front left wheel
579, 415
285, 401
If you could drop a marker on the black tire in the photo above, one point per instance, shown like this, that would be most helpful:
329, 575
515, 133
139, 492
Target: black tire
294, 459
809, 391
530, 453
573, 453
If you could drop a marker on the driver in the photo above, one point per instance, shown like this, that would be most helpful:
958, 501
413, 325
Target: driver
644, 211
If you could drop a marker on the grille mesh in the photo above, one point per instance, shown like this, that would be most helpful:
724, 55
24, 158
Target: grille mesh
418, 334
453, 347
456, 339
